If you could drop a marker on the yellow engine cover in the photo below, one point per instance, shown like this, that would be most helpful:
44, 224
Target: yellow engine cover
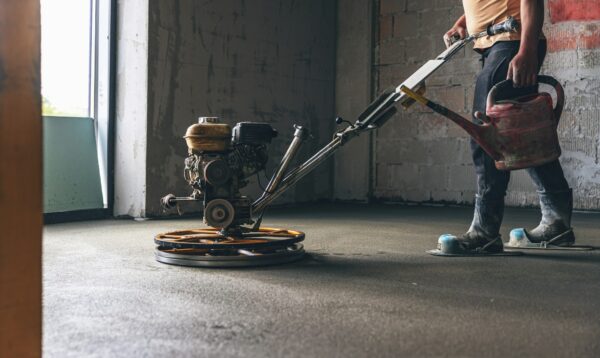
208, 136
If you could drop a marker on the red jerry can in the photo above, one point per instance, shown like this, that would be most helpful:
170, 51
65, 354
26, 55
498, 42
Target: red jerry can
517, 133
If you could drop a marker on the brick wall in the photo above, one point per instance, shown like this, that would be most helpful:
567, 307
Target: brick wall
573, 31
423, 157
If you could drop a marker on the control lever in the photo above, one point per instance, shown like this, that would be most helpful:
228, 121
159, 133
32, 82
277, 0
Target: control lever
510, 25
340, 120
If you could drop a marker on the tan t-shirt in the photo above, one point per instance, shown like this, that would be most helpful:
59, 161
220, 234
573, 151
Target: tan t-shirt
482, 13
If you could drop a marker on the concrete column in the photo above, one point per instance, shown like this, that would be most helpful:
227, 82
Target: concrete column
20, 180
352, 94
131, 115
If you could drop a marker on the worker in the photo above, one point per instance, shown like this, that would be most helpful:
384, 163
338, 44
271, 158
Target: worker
516, 56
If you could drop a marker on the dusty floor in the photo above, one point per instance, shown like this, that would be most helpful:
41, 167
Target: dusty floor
367, 289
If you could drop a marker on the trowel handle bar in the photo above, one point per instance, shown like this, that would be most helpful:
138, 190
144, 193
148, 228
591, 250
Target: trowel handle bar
510, 25
551, 81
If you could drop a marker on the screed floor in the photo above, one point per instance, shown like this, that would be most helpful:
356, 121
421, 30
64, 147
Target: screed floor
368, 289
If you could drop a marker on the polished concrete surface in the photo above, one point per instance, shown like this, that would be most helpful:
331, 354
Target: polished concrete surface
368, 289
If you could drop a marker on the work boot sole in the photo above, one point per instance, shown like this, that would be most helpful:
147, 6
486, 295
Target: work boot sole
565, 241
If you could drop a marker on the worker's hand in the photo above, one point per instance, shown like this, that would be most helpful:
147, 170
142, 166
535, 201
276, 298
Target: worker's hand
523, 69
457, 31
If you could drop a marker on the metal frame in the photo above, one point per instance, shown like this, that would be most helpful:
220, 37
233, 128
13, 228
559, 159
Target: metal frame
112, 108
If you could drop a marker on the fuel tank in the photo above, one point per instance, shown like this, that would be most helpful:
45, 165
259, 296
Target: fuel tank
208, 135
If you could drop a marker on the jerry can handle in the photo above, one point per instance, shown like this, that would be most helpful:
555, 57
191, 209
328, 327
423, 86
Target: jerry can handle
560, 94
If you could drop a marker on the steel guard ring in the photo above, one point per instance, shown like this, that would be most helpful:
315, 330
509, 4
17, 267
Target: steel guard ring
213, 239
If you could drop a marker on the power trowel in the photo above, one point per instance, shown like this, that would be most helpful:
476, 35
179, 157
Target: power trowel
222, 159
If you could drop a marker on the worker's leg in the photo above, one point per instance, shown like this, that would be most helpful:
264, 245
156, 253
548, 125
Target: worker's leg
491, 182
556, 197
556, 202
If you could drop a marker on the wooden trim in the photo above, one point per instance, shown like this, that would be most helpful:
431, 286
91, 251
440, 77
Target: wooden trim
20, 179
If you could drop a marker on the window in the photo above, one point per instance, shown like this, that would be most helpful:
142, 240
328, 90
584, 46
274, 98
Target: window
66, 57
76, 78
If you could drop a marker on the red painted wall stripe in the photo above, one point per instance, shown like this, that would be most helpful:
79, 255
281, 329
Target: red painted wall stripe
573, 42
580, 36
567, 10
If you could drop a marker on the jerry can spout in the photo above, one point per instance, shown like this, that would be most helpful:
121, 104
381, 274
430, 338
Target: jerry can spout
475, 130
480, 133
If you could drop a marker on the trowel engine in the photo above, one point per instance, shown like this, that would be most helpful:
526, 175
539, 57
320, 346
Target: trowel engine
219, 164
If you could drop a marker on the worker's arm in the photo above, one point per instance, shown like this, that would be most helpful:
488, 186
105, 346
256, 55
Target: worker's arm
459, 28
524, 66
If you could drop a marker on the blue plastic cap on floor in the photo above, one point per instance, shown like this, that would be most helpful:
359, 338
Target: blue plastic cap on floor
517, 234
446, 237
448, 244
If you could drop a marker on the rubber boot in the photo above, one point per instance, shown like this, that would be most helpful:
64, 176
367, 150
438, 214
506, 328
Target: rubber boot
484, 233
555, 226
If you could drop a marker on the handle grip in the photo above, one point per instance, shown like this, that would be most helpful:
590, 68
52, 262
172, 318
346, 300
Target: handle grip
510, 25
506, 84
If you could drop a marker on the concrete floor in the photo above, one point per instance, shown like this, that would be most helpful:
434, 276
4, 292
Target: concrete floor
367, 289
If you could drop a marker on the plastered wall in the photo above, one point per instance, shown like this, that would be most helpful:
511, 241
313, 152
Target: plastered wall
423, 157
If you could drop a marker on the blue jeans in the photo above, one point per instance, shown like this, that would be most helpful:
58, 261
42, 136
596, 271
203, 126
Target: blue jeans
491, 182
